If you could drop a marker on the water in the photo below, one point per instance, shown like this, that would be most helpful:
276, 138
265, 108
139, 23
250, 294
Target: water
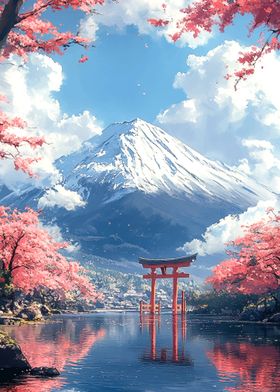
117, 352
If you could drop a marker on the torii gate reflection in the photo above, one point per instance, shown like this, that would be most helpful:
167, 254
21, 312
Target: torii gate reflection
164, 355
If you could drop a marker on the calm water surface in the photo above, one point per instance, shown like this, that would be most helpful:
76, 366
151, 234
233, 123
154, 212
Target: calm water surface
120, 352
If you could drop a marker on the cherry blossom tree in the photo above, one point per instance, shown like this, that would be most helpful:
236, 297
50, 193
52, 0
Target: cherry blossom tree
254, 263
204, 15
25, 27
30, 258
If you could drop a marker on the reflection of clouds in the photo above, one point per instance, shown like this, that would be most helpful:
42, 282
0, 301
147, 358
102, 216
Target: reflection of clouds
129, 327
53, 345
258, 367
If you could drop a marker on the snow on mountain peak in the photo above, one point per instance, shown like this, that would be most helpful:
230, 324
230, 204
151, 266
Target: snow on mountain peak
138, 155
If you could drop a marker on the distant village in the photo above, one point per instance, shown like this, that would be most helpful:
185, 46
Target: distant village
125, 290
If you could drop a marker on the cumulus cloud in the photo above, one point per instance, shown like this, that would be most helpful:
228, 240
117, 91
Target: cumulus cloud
125, 13
61, 197
263, 162
234, 126
227, 229
213, 117
55, 232
88, 27
30, 89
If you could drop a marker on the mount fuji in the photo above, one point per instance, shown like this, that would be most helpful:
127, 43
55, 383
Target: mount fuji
146, 193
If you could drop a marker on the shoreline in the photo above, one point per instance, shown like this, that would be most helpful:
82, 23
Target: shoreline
214, 318
54, 317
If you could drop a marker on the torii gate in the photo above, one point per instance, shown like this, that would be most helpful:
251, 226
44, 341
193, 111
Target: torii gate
175, 274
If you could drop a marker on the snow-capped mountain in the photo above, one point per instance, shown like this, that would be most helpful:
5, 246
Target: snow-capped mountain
137, 155
146, 193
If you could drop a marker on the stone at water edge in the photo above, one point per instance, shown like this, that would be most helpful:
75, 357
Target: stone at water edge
11, 356
45, 310
252, 313
30, 313
8, 320
275, 318
13, 362
44, 372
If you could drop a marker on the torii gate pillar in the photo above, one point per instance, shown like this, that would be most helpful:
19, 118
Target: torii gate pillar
165, 265
175, 292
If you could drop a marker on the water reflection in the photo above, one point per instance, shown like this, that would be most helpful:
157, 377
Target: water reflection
257, 367
223, 356
164, 354
53, 345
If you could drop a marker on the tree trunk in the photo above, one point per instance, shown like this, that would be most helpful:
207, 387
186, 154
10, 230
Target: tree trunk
7, 290
7, 275
8, 19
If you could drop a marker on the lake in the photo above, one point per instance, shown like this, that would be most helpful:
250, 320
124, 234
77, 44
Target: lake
120, 352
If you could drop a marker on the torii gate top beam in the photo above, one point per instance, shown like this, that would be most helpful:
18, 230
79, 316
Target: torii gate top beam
184, 261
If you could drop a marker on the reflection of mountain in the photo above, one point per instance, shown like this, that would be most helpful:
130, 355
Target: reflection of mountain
68, 344
257, 367
146, 193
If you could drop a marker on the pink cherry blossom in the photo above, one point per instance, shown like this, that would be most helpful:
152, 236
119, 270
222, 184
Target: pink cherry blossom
205, 15
30, 258
25, 28
254, 264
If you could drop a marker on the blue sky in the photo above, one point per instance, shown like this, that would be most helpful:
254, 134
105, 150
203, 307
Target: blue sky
134, 71
130, 74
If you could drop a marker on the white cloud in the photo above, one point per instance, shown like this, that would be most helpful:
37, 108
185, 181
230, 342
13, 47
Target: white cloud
55, 232
30, 89
234, 126
58, 196
88, 27
257, 143
227, 229
263, 162
213, 117
125, 13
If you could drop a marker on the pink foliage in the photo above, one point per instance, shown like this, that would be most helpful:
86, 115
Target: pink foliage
158, 22
83, 59
204, 15
254, 266
30, 32
30, 257
25, 28
14, 142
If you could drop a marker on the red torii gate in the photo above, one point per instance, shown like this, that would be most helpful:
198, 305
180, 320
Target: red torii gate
175, 274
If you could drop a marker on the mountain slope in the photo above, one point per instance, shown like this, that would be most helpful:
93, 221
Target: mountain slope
138, 155
147, 193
